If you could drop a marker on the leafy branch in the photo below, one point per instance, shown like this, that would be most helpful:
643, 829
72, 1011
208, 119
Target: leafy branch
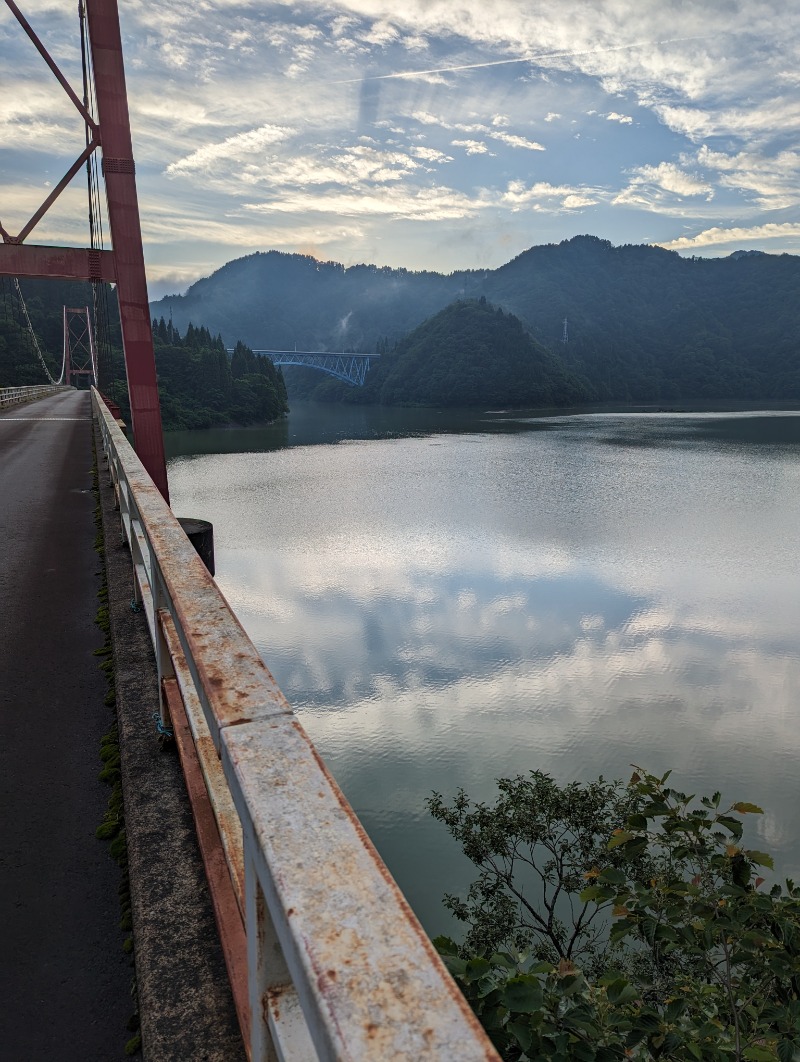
613, 921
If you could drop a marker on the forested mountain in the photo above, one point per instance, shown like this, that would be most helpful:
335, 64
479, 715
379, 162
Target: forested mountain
285, 301
472, 353
199, 383
643, 324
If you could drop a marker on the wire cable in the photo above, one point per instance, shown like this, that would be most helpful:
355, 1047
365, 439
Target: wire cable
35, 341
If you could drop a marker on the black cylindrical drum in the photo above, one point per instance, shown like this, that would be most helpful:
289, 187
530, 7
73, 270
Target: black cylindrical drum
201, 535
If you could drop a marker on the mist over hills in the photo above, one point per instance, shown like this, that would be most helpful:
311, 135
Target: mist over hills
275, 301
643, 324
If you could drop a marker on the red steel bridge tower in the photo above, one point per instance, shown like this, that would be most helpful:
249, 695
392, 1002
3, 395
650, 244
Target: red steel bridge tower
80, 353
123, 263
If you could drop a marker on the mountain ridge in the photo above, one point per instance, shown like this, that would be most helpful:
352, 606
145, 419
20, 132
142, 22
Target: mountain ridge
642, 323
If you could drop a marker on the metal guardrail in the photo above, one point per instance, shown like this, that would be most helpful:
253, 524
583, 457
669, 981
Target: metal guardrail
13, 396
337, 965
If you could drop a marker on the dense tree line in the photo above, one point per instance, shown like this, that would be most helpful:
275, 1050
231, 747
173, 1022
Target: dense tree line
201, 385
643, 325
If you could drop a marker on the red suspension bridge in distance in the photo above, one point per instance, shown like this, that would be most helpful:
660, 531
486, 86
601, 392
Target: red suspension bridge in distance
122, 263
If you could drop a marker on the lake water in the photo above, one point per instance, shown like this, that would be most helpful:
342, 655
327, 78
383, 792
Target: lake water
446, 599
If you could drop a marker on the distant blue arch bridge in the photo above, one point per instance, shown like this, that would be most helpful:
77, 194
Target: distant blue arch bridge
352, 368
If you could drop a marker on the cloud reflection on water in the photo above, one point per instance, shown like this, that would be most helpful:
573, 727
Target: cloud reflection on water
443, 612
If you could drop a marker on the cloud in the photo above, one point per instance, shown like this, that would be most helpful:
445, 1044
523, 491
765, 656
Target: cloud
430, 154
650, 186
518, 141
232, 150
576, 200
249, 230
174, 279
777, 115
40, 117
775, 179
495, 131
587, 56
246, 101
718, 235
429, 204
65, 222
42, 135
540, 196
692, 122
358, 166
472, 147
414, 42
381, 32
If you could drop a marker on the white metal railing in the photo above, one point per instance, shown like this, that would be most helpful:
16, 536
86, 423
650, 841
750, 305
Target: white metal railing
12, 396
338, 967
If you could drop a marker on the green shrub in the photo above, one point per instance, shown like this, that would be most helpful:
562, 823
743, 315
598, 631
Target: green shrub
690, 958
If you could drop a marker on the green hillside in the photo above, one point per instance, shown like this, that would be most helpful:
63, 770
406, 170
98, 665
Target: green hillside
45, 299
472, 353
286, 301
645, 324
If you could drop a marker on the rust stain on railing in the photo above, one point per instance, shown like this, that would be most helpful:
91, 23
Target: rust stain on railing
338, 967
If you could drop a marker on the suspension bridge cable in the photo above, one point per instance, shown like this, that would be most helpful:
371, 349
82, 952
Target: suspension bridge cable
8, 300
35, 341
23, 316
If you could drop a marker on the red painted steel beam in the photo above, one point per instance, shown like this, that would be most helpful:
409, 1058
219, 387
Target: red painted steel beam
67, 352
126, 236
40, 48
61, 263
226, 910
59, 188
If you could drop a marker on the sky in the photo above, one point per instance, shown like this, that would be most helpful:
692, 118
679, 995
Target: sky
425, 134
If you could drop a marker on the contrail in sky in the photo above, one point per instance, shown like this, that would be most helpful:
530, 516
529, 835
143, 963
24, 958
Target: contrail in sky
521, 59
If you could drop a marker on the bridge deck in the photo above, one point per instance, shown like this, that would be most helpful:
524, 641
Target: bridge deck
64, 977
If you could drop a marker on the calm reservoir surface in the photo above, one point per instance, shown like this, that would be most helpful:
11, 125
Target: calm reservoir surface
449, 598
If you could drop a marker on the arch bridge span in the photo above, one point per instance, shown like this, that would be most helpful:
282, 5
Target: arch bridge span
352, 368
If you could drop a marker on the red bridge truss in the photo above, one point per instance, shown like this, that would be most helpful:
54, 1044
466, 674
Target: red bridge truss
123, 263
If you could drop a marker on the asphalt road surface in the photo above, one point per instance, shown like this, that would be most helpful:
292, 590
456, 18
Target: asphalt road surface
64, 979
